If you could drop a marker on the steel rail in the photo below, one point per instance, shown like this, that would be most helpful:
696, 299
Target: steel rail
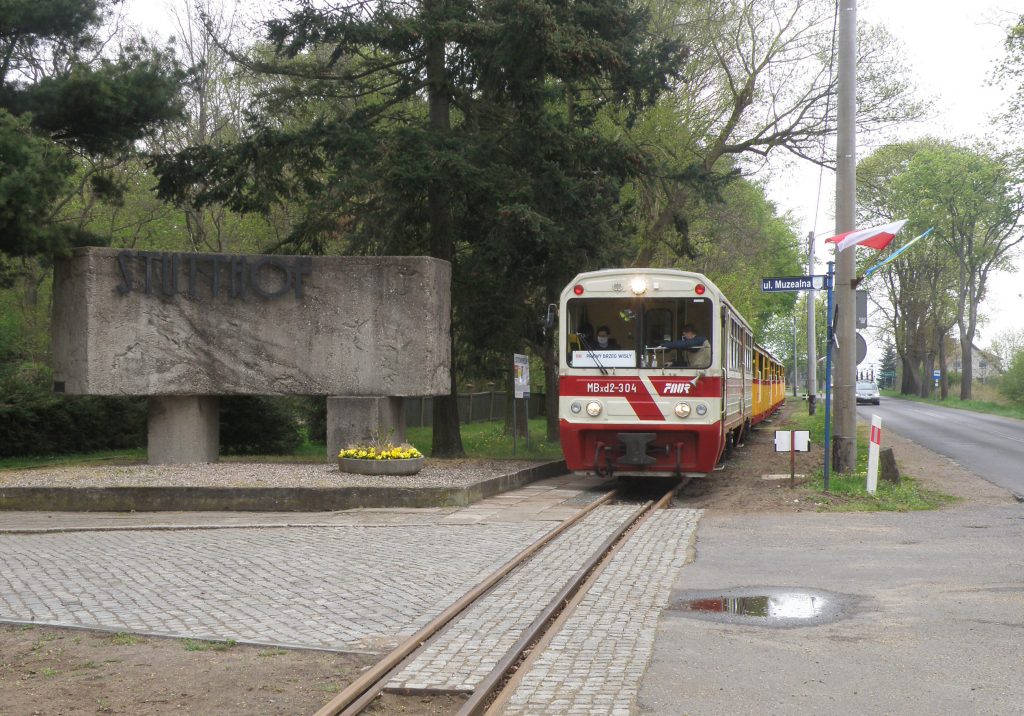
494, 689
373, 678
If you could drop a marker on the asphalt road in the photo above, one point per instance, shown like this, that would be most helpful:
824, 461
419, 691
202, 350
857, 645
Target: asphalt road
931, 617
988, 445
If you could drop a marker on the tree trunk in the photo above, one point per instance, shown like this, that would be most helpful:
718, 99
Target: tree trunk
447, 440
944, 383
927, 367
967, 365
551, 384
911, 380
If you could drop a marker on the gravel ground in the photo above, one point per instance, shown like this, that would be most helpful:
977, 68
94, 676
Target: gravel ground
435, 473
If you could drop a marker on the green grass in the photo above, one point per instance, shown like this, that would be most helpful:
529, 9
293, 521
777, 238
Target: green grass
107, 457
203, 645
848, 492
272, 652
480, 440
123, 638
307, 452
977, 406
488, 440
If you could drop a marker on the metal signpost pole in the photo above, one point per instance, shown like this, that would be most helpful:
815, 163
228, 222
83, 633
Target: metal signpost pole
828, 377
515, 424
792, 459
526, 407
520, 390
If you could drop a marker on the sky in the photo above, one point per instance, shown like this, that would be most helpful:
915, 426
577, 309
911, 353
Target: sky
952, 47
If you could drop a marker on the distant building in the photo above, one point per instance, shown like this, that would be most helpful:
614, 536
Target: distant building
984, 364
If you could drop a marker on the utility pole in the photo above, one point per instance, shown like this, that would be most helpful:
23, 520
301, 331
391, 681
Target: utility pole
796, 362
812, 353
844, 440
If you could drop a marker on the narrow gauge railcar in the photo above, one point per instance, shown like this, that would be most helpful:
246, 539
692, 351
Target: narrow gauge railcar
631, 407
769, 380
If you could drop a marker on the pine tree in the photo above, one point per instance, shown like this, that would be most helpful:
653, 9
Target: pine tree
887, 368
61, 100
463, 130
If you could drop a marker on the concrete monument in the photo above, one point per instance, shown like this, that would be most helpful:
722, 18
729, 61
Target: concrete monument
185, 328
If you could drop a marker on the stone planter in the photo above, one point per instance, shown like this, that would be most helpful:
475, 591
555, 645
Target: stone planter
405, 466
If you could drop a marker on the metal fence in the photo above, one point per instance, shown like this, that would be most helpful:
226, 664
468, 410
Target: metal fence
473, 408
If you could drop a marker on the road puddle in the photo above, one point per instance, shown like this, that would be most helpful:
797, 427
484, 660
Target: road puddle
769, 606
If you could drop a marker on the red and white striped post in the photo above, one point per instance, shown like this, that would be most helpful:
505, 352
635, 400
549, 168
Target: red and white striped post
874, 445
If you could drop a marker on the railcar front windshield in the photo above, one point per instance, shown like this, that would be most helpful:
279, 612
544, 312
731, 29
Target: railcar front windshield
633, 332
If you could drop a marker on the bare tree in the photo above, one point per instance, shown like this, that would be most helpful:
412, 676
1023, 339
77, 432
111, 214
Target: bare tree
759, 79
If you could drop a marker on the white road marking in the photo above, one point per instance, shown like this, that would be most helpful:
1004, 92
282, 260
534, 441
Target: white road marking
1015, 438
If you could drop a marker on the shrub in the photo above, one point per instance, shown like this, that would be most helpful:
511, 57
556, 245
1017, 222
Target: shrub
314, 414
35, 421
258, 425
1011, 383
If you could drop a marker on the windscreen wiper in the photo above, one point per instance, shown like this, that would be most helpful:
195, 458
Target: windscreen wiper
590, 352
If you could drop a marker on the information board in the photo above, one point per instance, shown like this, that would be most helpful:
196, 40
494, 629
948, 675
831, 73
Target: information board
521, 380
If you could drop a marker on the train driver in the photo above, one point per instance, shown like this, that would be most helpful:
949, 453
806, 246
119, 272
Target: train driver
695, 348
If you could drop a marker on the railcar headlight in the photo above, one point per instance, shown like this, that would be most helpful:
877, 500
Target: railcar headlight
576, 407
683, 410
638, 286
593, 408
702, 409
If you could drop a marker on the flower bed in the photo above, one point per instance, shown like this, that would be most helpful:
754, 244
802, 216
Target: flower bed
381, 460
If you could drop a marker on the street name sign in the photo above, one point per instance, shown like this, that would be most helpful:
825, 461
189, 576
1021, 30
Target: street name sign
793, 283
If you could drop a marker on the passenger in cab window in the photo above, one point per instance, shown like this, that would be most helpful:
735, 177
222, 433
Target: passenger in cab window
605, 342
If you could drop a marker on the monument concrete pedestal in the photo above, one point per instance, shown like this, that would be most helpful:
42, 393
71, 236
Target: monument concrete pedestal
183, 429
353, 420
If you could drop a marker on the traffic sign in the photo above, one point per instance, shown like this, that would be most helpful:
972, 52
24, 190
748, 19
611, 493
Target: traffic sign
936, 374
793, 283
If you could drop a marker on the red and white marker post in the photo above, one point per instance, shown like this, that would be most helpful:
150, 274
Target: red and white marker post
874, 445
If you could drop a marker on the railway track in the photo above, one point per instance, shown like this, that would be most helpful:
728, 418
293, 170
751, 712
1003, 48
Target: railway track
491, 692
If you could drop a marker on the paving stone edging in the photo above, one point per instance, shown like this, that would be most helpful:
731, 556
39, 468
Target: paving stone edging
262, 499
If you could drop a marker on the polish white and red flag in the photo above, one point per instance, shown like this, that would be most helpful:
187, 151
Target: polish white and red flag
877, 237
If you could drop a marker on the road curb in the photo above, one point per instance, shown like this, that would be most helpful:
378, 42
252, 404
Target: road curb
262, 499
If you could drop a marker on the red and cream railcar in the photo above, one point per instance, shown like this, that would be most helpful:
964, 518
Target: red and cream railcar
631, 407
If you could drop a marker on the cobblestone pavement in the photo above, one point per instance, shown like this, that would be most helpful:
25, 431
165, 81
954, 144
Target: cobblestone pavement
465, 653
356, 581
346, 588
362, 581
595, 663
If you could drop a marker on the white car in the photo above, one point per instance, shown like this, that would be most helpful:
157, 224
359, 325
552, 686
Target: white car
867, 392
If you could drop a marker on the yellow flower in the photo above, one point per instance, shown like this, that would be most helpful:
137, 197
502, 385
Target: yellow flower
388, 451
